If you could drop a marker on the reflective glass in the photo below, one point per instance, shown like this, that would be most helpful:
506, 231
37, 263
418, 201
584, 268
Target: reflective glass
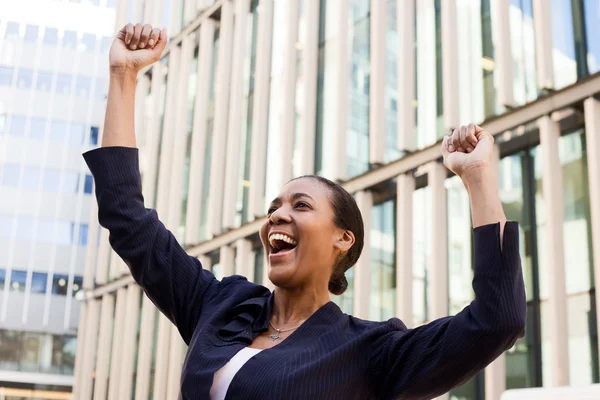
58, 131
11, 174
59, 284
63, 84
6, 222
2, 122
17, 125
70, 182
51, 36
382, 302
522, 40
69, 39
83, 86
37, 128
31, 33
88, 184
31, 178
44, 81
563, 42
421, 254
77, 133
63, 233
6, 74
12, 30
18, 280
51, 181
38, 282
391, 83
83, 234
77, 284
105, 43
259, 265
88, 42
45, 230
93, 135
24, 227
2, 278
591, 12
32, 350
24, 78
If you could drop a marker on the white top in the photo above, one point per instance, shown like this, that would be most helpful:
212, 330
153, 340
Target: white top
225, 374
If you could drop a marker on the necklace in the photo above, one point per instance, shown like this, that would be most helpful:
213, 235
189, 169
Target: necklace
276, 336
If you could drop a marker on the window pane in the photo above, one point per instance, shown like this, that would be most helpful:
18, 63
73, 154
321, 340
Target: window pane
83, 234
94, 135
11, 174
31, 33
88, 42
6, 74
106, 43
44, 81
37, 128
2, 122
51, 181
38, 282
17, 125
100, 92
421, 254
63, 233
68, 354
12, 30
24, 227
6, 222
51, 36
383, 262
31, 177
88, 184
71, 182
45, 230
59, 284
592, 32
82, 86
31, 350
2, 278
24, 78
77, 133
77, 284
69, 39
63, 84
17, 281
58, 131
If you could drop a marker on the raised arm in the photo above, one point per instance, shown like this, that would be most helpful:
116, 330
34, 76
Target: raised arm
174, 281
430, 360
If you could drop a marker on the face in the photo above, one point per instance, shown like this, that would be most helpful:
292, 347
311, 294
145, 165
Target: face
300, 238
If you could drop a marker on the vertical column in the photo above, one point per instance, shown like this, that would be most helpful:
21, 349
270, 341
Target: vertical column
266, 282
104, 345
176, 355
310, 41
553, 199
244, 258
142, 379
206, 262
91, 250
117, 345
449, 65
503, 52
226, 258
288, 109
405, 20
542, 26
339, 150
234, 126
405, 186
89, 354
122, 11
81, 339
141, 91
592, 136
217, 164
362, 273
129, 341
260, 112
438, 268
162, 357
103, 258
196, 179
377, 85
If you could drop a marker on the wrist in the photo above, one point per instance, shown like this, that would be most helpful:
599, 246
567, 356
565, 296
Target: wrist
123, 73
478, 176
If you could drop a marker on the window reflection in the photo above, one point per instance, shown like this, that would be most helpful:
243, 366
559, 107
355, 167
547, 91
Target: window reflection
421, 254
6, 74
31, 33
259, 265
63, 83
93, 135
44, 81
51, 36
37, 128
12, 30
11, 174
17, 125
31, 178
523, 50
24, 78
17, 281
88, 42
591, 11
383, 262
69, 39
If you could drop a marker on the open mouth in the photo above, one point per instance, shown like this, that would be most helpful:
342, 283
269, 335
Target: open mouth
281, 243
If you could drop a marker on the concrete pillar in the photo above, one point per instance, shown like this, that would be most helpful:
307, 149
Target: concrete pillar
129, 338
404, 247
450, 65
405, 23
219, 143
199, 136
362, 272
244, 258
162, 357
114, 374
176, 356
310, 43
81, 338
142, 379
260, 112
89, 354
553, 201
340, 111
105, 338
234, 126
226, 259
377, 84
103, 258
206, 262
592, 137
503, 52
91, 250
438, 266
542, 26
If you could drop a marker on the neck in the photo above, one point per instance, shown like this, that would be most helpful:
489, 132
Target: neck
293, 307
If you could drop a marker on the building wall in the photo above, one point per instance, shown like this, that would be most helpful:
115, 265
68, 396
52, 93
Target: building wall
251, 93
53, 81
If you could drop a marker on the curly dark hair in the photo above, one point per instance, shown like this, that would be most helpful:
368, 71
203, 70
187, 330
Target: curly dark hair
346, 216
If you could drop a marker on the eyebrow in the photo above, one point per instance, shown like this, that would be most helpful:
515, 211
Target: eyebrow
294, 197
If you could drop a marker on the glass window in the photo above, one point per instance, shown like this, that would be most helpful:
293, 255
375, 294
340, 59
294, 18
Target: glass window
100, 92
31, 33
259, 265
31, 177
59, 284
563, 41
44, 81
51, 180
77, 133
105, 43
12, 30
77, 284
17, 125
24, 227
383, 262
69, 39
71, 182
11, 174
69, 348
63, 84
88, 184
421, 254
51, 36
523, 51
38, 282
31, 352
24, 78
83, 86
10, 349
2, 278
83, 234
591, 13
6, 222
37, 128
88, 42
6, 74
18, 280
45, 230
58, 131
94, 135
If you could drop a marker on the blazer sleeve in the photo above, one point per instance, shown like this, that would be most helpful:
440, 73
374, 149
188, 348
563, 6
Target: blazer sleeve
430, 360
174, 281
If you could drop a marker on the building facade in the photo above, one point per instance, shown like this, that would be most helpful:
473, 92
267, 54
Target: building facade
53, 79
251, 93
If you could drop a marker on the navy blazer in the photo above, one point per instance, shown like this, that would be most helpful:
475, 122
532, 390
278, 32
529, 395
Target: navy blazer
332, 355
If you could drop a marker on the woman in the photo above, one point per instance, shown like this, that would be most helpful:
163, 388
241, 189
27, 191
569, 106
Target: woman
295, 343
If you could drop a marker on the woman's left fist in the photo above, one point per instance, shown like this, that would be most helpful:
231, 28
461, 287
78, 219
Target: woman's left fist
468, 150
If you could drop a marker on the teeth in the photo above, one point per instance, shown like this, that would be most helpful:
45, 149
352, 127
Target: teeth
279, 236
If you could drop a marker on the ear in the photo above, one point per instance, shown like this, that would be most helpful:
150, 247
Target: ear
345, 241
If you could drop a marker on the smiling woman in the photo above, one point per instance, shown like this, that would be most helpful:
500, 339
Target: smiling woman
246, 342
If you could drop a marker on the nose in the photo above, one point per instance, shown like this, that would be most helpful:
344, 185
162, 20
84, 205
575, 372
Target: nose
280, 216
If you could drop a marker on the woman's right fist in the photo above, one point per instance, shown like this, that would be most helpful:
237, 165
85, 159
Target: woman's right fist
136, 46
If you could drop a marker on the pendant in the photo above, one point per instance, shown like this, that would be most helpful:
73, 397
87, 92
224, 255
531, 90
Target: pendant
275, 336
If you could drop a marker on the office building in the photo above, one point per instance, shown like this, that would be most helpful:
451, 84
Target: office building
53, 79
250, 93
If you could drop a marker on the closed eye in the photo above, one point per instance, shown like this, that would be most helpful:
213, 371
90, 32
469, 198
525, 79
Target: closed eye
271, 210
302, 204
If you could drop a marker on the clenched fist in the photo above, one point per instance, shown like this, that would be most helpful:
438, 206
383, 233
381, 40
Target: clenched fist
468, 149
137, 46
